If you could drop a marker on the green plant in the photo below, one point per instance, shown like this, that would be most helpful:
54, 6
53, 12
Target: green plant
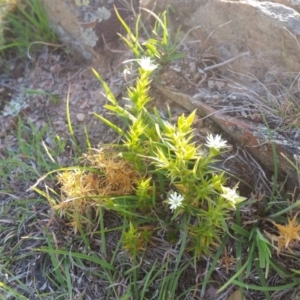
156, 157
159, 45
25, 23
157, 178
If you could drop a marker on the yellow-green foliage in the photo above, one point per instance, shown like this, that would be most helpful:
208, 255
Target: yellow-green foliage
157, 174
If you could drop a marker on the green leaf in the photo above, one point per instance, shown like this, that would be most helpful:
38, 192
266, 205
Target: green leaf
110, 124
79, 255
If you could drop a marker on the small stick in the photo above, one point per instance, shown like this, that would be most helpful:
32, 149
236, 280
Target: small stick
225, 62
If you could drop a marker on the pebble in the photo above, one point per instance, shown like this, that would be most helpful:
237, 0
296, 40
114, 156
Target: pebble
80, 117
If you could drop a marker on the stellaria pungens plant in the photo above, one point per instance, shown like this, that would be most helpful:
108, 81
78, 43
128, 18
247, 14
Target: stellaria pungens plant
158, 174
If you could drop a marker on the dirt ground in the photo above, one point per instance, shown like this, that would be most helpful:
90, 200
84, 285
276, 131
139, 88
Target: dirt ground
37, 90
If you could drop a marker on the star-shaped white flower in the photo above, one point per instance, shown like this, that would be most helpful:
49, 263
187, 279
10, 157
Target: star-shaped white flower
175, 200
147, 64
232, 196
215, 142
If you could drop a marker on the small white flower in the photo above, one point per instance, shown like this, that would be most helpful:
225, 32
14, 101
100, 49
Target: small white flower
175, 200
231, 195
215, 142
147, 64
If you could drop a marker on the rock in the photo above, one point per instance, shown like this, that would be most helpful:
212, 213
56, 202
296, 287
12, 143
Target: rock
80, 117
236, 295
295, 4
84, 25
267, 30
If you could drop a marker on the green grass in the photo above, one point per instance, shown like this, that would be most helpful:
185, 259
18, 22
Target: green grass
23, 160
23, 25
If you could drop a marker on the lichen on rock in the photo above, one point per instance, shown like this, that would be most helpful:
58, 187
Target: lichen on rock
90, 37
82, 2
86, 25
102, 13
